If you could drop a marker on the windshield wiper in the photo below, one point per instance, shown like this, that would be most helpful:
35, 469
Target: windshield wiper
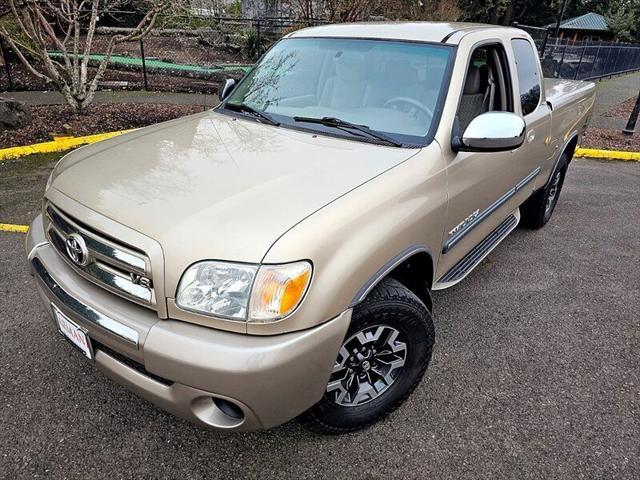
338, 123
243, 107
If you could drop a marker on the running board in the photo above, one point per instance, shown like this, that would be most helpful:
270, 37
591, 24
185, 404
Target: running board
472, 259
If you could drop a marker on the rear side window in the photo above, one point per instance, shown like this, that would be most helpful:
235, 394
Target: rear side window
528, 78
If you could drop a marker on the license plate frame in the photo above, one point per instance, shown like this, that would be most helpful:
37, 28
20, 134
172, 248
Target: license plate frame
73, 333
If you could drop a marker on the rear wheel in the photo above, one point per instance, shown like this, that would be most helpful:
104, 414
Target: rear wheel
537, 210
382, 359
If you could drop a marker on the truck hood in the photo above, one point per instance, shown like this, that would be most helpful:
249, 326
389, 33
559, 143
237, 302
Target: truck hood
211, 186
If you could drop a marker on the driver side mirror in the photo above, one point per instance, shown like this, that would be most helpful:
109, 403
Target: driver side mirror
491, 132
227, 88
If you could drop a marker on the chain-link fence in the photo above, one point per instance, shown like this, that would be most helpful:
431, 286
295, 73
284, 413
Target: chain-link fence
195, 54
589, 61
582, 60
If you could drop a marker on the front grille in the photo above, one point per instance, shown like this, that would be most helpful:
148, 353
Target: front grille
100, 259
138, 367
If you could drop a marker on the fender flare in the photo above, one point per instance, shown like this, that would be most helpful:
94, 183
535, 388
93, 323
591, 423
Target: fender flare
574, 136
387, 268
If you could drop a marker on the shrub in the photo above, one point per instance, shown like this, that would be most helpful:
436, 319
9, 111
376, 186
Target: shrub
251, 45
234, 9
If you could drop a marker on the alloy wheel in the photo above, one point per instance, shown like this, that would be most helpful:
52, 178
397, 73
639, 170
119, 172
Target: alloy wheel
368, 363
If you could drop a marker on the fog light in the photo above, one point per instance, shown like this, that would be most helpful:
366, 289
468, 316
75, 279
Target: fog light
228, 408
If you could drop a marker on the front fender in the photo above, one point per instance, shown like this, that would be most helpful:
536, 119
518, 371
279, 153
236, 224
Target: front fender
356, 239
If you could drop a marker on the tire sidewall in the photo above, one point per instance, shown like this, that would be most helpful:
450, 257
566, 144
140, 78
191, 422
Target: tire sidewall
415, 325
561, 169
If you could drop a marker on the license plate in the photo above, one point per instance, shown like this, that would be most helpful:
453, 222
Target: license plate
73, 333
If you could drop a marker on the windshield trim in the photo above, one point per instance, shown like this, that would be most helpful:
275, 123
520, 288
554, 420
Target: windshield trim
424, 141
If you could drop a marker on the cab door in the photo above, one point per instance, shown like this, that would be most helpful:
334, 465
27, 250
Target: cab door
480, 184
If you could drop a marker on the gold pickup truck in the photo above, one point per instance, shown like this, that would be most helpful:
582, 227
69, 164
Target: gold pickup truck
275, 256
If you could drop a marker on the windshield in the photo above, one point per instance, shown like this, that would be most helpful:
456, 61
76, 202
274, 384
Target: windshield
392, 87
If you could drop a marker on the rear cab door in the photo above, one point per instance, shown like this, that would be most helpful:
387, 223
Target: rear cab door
530, 103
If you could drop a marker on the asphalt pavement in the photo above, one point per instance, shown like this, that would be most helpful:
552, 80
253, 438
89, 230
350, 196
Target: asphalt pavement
535, 374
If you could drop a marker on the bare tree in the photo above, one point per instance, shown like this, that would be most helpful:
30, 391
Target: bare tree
69, 27
305, 10
335, 10
350, 10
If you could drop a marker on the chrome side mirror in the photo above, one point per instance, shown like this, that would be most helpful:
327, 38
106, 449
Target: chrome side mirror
227, 88
492, 132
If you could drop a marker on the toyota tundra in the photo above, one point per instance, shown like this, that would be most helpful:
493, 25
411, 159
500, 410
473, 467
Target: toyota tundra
276, 255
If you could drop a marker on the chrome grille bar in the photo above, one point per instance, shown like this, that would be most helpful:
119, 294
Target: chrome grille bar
114, 267
99, 246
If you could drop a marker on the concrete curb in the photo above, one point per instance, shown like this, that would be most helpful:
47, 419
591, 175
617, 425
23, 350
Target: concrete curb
608, 154
59, 144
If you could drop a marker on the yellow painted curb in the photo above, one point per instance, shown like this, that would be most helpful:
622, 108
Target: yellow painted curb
608, 154
7, 227
59, 144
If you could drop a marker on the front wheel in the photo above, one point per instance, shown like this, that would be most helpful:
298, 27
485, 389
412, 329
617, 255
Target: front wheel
382, 359
537, 210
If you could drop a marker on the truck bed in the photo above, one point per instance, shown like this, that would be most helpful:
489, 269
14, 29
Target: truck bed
572, 103
560, 92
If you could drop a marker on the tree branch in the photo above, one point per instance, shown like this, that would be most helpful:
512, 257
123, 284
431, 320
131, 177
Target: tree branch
5, 35
88, 41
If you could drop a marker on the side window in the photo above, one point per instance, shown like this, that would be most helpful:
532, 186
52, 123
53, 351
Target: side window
486, 86
528, 78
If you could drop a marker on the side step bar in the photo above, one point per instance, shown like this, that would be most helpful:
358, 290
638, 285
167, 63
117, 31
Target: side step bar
472, 259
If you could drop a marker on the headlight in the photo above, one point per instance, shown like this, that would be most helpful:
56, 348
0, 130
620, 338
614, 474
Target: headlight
225, 290
217, 288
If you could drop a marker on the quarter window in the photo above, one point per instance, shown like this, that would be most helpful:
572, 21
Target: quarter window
528, 77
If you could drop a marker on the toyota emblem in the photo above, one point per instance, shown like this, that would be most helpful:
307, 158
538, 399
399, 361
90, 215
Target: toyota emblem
77, 250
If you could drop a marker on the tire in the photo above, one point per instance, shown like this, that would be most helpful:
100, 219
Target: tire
392, 326
538, 208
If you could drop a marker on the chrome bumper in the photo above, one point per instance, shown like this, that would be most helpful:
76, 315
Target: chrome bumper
121, 331
187, 369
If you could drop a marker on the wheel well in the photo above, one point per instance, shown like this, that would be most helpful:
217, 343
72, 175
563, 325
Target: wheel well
571, 148
416, 273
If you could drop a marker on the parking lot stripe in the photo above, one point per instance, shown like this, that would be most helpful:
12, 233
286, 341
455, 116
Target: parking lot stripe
59, 144
7, 227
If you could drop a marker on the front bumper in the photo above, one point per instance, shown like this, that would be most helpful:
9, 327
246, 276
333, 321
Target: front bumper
187, 369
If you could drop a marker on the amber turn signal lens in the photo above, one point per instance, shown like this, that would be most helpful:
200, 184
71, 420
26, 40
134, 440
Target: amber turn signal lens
293, 292
278, 290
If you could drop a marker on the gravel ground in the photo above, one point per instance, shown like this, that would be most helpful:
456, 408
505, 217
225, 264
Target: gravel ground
51, 120
535, 372
609, 139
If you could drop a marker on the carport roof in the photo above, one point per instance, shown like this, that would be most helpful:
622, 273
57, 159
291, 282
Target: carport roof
589, 21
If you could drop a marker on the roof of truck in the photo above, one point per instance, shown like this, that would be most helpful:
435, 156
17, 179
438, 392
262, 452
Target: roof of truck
413, 31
